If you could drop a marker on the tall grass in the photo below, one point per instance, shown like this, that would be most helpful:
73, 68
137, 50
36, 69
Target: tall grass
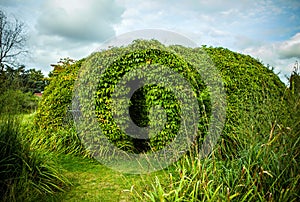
25, 175
262, 166
61, 140
265, 171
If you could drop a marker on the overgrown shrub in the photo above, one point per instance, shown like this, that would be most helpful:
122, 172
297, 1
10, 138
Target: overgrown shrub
143, 99
255, 97
251, 90
57, 97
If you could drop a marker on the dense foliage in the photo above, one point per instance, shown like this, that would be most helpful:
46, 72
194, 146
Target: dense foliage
30, 80
143, 99
254, 95
57, 97
251, 90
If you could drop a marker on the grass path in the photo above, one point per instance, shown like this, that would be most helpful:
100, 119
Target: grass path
95, 182
92, 181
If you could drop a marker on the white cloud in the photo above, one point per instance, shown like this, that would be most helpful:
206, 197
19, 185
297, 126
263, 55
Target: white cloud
10, 2
280, 55
70, 28
212, 22
89, 20
290, 48
242, 42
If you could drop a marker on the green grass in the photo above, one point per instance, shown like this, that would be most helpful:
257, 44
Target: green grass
267, 170
87, 179
25, 175
92, 181
63, 140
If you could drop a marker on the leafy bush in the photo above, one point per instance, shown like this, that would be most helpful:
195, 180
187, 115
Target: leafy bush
251, 90
143, 99
53, 128
57, 96
255, 97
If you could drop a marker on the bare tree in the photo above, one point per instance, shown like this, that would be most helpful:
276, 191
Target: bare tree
12, 40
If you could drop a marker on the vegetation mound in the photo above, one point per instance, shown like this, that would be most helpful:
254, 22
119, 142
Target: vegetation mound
253, 93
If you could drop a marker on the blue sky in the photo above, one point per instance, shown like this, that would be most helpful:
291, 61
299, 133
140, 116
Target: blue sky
267, 30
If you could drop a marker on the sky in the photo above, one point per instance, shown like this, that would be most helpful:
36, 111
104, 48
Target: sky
265, 29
